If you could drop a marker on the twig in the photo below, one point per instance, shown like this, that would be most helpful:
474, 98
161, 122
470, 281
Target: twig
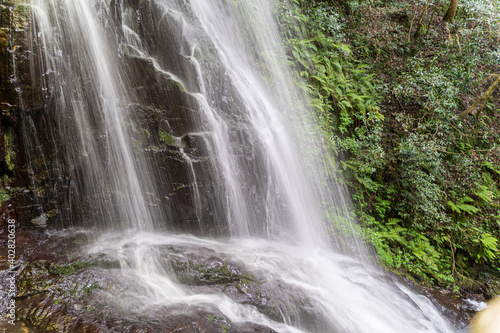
419, 24
430, 21
453, 256
411, 25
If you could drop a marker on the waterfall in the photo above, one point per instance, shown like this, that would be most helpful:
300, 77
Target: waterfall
168, 117
88, 107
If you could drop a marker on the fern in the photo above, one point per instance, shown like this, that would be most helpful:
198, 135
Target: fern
393, 220
424, 251
394, 233
490, 166
488, 248
463, 206
484, 193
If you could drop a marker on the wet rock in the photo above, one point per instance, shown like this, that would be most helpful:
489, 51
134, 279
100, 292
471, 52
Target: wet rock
166, 129
23, 96
252, 328
51, 181
201, 266
492, 288
206, 271
458, 308
59, 289
15, 36
40, 221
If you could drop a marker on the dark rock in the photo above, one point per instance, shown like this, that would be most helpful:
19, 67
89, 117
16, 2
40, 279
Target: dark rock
207, 270
452, 305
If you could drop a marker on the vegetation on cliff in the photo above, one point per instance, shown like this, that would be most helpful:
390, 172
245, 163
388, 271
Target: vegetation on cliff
412, 102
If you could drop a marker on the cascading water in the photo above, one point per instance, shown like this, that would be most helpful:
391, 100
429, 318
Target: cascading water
88, 107
229, 113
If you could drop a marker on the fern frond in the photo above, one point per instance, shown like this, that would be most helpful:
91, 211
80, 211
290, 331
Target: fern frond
484, 193
393, 220
463, 206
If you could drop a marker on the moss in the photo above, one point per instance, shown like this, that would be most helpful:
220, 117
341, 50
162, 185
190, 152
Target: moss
62, 270
32, 279
52, 213
106, 263
24, 9
203, 274
4, 195
10, 154
71, 268
101, 261
78, 241
4, 38
42, 318
20, 17
141, 136
166, 138
218, 274
145, 133
26, 284
223, 321
171, 140
130, 51
494, 288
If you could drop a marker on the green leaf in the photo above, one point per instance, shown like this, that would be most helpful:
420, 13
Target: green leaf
393, 220
484, 193
490, 166
489, 246
462, 206
337, 66
347, 104
454, 207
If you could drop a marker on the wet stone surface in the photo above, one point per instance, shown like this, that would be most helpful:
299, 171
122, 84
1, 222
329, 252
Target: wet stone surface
60, 289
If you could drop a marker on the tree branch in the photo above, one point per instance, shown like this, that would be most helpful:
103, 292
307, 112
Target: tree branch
481, 101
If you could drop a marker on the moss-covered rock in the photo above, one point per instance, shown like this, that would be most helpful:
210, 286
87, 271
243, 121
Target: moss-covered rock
206, 270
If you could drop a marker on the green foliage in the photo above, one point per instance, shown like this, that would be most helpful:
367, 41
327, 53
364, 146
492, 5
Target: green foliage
10, 154
7, 188
394, 232
71, 268
462, 206
5, 194
488, 248
219, 319
78, 291
424, 181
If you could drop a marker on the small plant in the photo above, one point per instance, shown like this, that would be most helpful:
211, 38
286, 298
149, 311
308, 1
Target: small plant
488, 248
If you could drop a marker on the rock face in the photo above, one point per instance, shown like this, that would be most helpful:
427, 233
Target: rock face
61, 288
15, 84
41, 164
